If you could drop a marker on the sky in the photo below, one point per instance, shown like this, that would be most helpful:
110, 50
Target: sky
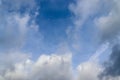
59, 40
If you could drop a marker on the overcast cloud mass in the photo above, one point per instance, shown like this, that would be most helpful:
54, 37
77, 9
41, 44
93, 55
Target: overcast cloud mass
59, 40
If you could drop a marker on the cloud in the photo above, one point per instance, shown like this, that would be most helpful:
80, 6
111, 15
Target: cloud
82, 10
17, 29
89, 71
8, 60
109, 24
16, 5
112, 65
100, 51
13, 32
52, 67
14, 25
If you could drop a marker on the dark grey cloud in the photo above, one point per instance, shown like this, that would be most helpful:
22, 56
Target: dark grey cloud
109, 26
112, 66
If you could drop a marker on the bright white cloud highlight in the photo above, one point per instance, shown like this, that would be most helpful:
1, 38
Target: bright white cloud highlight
53, 67
89, 71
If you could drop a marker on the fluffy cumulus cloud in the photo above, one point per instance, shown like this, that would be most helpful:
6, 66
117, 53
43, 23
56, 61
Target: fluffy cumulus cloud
89, 71
47, 67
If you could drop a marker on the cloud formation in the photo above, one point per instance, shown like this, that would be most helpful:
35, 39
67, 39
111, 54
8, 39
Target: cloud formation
16, 27
52, 67
112, 65
82, 10
109, 24
89, 71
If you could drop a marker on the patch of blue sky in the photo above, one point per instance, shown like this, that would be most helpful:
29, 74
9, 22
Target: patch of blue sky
55, 9
89, 41
53, 20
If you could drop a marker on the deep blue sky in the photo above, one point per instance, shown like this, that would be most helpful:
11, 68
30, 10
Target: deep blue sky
54, 18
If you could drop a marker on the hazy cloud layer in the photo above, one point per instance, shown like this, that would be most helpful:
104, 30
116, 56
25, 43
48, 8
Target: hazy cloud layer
14, 25
82, 10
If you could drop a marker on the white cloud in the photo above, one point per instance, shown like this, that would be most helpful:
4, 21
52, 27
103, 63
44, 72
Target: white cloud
89, 71
52, 67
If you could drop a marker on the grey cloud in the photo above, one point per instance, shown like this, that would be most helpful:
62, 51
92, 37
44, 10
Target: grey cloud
112, 67
109, 25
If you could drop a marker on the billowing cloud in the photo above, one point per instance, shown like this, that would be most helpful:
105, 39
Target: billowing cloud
89, 71
83, 9
52, 67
